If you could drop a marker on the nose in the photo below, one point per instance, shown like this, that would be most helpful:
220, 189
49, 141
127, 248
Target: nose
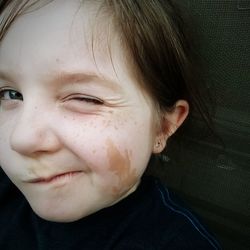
34, 132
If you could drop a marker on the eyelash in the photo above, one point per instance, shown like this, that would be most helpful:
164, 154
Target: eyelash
85, 98
82, 98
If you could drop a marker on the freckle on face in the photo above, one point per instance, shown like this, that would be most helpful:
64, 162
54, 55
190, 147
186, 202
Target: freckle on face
106, 123
111, 168
120, 165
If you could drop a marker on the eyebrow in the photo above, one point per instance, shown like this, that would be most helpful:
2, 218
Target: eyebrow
65, 77
5, 77
75, 77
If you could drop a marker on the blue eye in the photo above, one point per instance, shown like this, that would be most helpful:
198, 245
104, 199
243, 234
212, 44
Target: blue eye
10, 94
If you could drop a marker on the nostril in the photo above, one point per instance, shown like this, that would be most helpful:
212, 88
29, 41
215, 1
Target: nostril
34, 130
33, 139
24, 141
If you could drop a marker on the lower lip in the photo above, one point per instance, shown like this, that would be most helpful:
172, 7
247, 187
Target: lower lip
62, 178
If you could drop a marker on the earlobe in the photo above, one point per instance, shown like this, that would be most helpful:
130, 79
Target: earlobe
170, 122
159, 145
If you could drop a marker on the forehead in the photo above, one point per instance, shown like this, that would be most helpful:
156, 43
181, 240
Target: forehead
63, 34
69, 36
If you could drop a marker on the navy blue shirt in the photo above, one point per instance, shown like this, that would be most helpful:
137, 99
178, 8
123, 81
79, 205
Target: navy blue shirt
150, 218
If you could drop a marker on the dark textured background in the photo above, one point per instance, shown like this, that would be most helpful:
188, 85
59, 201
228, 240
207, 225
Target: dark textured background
214, 181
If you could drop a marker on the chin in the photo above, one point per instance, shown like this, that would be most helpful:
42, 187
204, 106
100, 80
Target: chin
59, 212
59, 216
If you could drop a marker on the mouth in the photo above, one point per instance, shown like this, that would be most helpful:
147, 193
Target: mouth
55, 178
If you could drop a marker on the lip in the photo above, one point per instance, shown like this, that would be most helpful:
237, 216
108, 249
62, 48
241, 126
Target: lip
54, 178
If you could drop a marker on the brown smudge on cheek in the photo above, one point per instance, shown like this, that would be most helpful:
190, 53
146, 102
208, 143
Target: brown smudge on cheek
120, 165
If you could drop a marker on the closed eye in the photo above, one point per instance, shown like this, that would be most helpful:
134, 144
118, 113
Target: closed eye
87, 99
81, 103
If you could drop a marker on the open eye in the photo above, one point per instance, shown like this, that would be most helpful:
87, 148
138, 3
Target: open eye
10, 94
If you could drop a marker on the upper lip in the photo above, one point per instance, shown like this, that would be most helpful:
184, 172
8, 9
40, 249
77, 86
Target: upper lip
50, 177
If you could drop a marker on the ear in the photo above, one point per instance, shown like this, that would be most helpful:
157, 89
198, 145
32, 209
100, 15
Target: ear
169, 123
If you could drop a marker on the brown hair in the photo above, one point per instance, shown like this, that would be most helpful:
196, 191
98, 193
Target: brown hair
153, 33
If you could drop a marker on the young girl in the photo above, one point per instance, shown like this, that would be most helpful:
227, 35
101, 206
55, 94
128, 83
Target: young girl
90, 90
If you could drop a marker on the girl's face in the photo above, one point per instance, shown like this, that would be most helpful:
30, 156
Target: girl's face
76, 133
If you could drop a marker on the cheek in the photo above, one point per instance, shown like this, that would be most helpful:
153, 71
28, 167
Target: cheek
92, 140
114, 151
120, 166
4, 145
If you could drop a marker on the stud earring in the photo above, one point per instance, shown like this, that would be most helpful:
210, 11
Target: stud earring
158, 144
